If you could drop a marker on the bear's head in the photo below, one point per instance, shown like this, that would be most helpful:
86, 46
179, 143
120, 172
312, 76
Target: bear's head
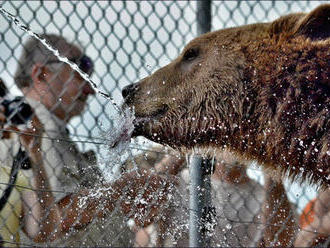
235, 88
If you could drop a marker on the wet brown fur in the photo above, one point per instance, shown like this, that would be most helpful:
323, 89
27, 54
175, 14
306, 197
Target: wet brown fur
260, 90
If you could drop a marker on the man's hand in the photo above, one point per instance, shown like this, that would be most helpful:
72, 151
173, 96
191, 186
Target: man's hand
31, 139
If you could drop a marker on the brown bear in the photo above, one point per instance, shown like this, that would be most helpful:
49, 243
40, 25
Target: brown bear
260, 90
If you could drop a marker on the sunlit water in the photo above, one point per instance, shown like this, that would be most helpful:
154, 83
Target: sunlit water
118, 140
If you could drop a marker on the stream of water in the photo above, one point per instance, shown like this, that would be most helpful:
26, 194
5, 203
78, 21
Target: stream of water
118, 137
55, 51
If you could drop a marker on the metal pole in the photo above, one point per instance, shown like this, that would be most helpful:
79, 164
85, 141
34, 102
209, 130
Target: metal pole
200, 201
208, 209
196, 202
203, 16
200, 168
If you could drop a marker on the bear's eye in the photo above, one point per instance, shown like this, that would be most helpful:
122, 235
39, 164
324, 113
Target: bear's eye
190, 54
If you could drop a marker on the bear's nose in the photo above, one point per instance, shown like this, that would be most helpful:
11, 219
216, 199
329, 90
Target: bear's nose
129, 90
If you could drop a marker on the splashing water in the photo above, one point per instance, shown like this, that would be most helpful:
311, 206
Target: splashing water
123, 130
118, 140
119, 136
74, 66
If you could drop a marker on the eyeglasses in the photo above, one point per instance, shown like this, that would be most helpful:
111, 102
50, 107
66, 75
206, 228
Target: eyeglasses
84, 63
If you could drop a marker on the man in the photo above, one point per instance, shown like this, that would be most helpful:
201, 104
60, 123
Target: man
56, 94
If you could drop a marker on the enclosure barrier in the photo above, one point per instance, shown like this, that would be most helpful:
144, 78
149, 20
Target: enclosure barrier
127, 41
200, 168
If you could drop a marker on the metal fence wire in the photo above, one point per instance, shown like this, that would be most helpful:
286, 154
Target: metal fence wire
85, 194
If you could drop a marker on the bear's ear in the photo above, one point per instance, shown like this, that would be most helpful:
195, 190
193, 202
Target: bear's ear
316, 24
285, 24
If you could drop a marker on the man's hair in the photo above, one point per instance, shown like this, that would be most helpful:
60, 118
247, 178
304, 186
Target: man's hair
35, 52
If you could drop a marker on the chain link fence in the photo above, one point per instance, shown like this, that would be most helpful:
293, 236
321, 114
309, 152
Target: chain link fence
126, 41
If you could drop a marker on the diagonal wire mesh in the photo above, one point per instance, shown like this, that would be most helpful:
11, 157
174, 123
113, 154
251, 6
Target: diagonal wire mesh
128, 40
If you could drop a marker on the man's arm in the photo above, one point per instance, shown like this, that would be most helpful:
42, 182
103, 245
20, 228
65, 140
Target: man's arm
277, 216
140, 195
41, 215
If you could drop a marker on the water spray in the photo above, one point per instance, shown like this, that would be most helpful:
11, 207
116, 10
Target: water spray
55, 51
126, 117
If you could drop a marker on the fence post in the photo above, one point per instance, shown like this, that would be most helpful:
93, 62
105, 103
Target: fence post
200, 167
203, 16
200, 200
196, 202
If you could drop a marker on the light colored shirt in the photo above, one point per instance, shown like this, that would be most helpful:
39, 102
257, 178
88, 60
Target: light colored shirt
63, 162
9, 215
66, 166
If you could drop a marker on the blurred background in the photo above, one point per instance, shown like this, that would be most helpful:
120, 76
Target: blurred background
128, 40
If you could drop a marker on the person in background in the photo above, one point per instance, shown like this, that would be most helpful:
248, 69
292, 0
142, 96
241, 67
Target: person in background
12, 190
56, 94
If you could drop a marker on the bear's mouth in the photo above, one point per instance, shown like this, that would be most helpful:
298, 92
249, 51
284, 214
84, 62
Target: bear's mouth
141, 121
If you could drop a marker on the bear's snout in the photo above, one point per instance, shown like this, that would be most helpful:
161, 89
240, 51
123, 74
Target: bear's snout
129, 91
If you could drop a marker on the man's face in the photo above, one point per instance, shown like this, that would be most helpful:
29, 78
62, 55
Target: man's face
67, 90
